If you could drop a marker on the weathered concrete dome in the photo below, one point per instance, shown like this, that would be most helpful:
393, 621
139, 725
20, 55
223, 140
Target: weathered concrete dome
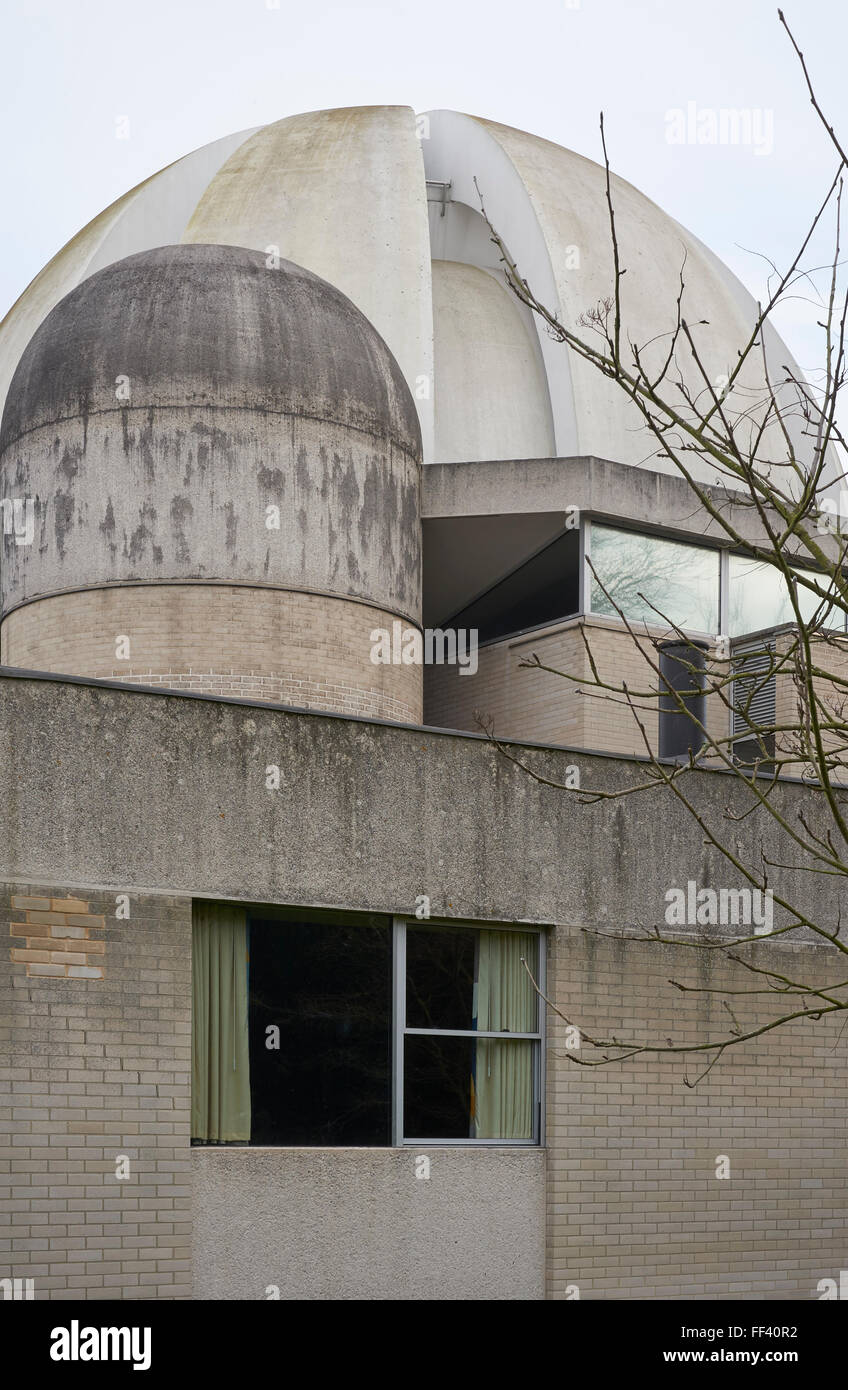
224, 461
384, 205
215, 326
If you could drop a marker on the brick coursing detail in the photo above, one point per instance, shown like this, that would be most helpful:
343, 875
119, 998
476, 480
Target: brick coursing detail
311, 651
58, 937
87, 1075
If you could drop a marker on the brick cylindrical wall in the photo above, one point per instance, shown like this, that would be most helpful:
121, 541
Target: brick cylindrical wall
302, 649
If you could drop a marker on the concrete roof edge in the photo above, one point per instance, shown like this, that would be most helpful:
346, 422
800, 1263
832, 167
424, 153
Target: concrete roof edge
132, 688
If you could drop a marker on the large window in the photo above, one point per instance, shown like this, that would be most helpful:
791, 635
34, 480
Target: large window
759, 598
324, 1029
654, 580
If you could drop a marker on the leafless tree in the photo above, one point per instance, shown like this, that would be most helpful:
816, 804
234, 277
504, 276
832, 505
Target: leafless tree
771, 451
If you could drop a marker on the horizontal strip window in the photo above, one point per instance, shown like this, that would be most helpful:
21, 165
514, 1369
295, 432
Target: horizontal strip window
324, 1030
659, 581
760, 599
654, 580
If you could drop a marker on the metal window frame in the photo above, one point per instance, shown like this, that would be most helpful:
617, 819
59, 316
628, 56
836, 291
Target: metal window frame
724, 592
584, 585
591, 519
400, 1031
731, 555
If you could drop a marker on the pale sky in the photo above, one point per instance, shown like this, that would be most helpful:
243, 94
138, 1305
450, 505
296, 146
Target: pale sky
188, 71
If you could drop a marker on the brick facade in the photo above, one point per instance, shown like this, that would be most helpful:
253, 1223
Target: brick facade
96, 1068
59, 943
293, 648
635, 1206
795, 734
538, 705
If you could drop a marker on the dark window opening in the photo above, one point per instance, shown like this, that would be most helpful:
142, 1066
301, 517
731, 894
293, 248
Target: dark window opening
327, 988
440, 974
682, 683
327, 1029
755, 754
543, 589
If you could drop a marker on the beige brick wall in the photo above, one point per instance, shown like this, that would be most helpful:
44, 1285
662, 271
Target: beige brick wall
96, 1068
57, 933
791, 707
635, 1208
299, 649
521, 702
92, 1068
538, 705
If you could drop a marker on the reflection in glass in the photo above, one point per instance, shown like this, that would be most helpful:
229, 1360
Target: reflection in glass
831, 616
652, 579
759, 598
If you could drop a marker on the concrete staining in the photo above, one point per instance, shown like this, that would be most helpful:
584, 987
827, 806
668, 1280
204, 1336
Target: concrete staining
397, 808
168, 408
344, 193
164, 201
248, 386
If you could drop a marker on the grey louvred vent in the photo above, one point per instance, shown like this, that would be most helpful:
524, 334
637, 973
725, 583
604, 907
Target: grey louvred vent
753, 688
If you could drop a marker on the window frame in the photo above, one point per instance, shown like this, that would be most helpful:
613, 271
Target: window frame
680, 538
789, 619
400, 1032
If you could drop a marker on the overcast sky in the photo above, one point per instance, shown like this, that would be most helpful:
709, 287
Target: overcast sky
187, 71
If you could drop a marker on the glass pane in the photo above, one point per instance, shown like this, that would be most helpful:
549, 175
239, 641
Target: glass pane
467, 1088
758, 596
647, 576
459, 977
831, 616
327, 989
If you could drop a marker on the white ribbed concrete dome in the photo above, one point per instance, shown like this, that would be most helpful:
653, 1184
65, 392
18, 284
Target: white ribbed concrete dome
358, 196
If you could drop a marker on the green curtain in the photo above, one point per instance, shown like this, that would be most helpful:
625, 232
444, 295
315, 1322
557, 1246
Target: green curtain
506, 999
220, 1064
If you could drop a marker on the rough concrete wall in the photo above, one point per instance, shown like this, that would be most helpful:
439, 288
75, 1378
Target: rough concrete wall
358, 1224
299, 649
636, 1208
97, 1065
595, 486
391, 812
186, 498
